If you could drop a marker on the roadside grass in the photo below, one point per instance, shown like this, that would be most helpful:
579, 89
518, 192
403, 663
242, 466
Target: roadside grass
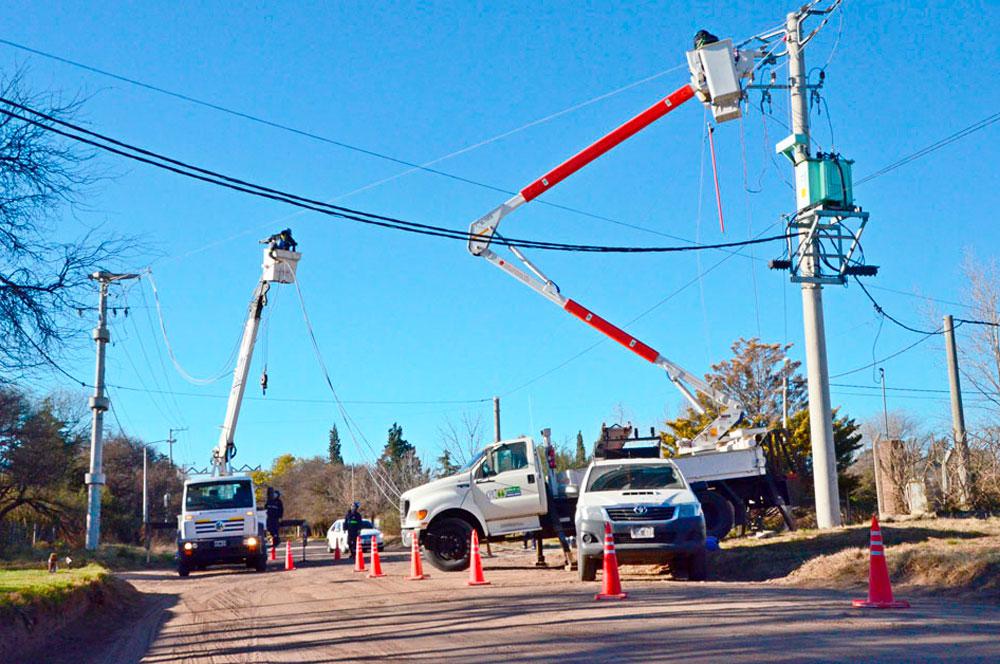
24, 587
939, 555
116, 557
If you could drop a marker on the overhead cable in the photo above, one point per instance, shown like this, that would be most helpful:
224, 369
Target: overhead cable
937, 145
213, 177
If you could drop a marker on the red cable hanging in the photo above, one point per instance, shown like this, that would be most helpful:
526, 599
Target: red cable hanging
715, 176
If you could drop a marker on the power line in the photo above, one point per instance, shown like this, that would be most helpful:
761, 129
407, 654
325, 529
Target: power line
412, 167
368, 402
961, 133
213, 177
882, 312
887, 357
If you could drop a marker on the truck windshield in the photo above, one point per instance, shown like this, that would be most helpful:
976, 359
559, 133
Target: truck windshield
631, 476
473, 461
220, 495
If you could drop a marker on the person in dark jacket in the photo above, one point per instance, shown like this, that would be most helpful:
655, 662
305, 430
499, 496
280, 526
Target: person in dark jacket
275, 510
352, 524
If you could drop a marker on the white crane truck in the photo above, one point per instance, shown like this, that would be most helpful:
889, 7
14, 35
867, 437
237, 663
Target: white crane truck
726, 467
219, 521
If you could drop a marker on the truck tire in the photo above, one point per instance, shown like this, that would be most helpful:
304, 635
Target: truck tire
183, 570
697, 566
586, 566
720, 516
260, 564
447, 543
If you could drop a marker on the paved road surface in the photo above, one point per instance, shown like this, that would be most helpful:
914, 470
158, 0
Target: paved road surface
323, 612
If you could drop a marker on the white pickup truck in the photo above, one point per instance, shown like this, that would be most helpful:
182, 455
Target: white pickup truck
654, 516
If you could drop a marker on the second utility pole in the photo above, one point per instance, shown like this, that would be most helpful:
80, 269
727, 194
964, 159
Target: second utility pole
99, 403
818, 374
957, 413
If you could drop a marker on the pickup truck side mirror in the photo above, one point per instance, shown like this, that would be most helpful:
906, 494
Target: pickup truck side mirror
485, 470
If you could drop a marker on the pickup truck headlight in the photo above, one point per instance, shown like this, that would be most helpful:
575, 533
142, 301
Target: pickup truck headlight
688, 510
251, 542
593, 514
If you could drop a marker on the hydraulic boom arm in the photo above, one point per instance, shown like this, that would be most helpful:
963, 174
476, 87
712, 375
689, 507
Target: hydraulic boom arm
715, 80
280, 261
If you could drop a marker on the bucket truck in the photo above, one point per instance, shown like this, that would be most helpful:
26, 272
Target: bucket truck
219, 521
726, 467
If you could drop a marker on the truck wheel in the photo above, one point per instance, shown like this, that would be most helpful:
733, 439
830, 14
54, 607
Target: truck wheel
183, 570
586, 566
447, 543
719, 514
697, 566
260, 564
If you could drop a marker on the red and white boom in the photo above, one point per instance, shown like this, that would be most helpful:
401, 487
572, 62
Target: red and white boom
715, 78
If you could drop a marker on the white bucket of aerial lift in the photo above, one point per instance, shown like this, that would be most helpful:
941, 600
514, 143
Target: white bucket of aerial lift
715, 78
279, 265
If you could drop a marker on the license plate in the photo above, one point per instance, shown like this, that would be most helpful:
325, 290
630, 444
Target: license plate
221, 543
642, 532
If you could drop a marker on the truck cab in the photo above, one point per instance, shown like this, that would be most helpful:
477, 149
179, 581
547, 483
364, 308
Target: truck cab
220, 524
502, 490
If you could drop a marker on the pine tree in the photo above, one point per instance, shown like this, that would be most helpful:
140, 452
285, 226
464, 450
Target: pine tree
396, 446
446, 466
334, 453
581, 450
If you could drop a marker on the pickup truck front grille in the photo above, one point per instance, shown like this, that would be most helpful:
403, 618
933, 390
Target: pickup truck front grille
641, 513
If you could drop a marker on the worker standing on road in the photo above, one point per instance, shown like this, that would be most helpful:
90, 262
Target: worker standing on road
275, 510
352, 524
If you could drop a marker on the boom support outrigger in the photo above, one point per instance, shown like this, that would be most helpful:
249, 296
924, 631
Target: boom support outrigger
716, 70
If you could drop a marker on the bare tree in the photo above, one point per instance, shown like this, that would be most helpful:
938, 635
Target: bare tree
463, 440
42, 278
980, 349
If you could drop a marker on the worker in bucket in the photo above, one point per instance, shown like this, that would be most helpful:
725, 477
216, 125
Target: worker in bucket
275, 510
352, 524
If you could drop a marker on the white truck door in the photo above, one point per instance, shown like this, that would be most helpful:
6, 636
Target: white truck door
505, 487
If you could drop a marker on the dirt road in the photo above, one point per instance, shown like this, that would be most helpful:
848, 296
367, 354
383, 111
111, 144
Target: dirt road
323, 612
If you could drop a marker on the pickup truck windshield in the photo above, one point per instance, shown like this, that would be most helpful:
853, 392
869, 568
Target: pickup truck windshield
631, 476
221, 495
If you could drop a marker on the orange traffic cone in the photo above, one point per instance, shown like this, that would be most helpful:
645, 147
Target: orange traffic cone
612, 588
274, 551
336, 552
376, 561
359, 556
476, 563
879, 588
416, 568
289, 561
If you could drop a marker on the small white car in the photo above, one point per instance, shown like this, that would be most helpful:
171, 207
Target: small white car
336, 536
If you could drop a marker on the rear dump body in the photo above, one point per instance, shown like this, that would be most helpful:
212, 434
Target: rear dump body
220, 525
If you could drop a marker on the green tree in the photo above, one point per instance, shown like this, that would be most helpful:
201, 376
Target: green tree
40, 465
446, 466
847, 440
581, 450
396, 447
333, 450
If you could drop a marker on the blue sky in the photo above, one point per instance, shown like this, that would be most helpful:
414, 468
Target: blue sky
402, 318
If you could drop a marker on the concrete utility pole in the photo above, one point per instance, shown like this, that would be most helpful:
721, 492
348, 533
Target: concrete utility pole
957, 412
99, 404
820, 411
496, 419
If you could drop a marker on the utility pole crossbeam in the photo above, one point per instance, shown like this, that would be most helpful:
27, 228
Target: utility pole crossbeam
961, 443
99, 404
